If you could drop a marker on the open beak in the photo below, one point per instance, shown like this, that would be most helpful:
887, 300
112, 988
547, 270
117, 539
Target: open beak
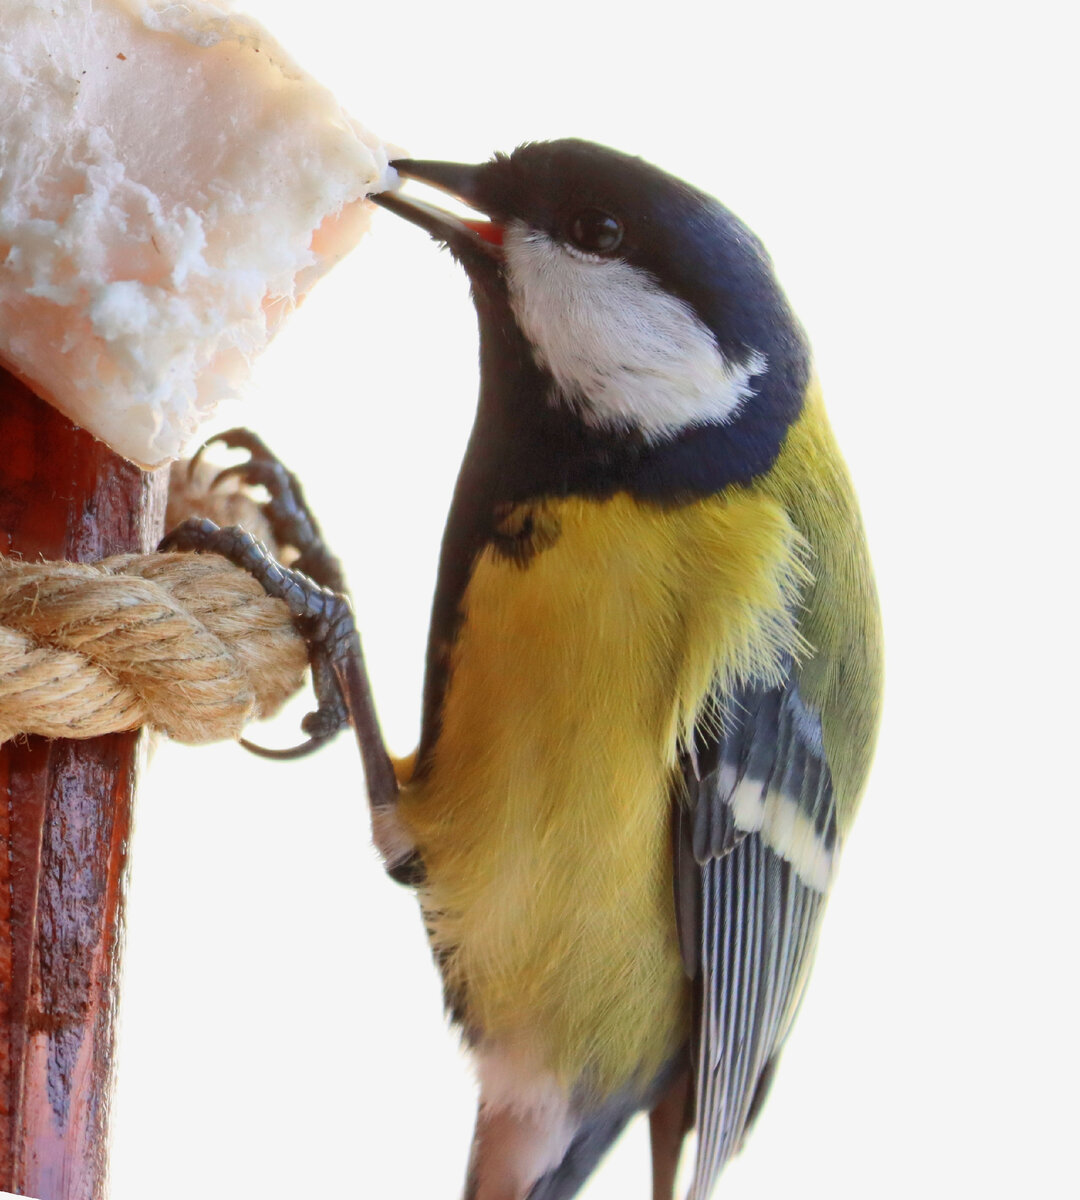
463, 183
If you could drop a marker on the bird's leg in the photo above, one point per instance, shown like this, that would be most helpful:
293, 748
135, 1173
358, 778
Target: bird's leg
669, 1121
512, 1149
313, 589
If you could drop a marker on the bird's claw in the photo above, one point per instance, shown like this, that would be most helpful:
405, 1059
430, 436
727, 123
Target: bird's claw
286, 512
233, 439
289, 753
313, 587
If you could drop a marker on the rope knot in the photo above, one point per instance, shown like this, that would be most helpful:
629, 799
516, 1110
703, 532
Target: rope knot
186, 643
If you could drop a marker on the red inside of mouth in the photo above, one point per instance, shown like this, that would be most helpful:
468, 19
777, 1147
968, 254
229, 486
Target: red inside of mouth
488, 230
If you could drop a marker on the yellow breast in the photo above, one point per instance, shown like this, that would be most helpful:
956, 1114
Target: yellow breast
593, 631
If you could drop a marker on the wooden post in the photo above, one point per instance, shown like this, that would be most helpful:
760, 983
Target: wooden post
65, 819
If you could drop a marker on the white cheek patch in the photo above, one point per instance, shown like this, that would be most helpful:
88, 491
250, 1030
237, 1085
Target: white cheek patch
619, 347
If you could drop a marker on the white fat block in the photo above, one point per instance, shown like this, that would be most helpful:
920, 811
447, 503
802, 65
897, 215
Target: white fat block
171, 185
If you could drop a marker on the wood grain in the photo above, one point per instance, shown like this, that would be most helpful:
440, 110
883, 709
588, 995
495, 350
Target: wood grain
65, 818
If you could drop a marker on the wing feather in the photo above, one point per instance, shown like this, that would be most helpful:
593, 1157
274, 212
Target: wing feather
756, 846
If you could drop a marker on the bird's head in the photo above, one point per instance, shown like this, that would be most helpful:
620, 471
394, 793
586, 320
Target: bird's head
652, 308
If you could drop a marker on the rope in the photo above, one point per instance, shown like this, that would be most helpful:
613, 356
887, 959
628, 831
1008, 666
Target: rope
186, 643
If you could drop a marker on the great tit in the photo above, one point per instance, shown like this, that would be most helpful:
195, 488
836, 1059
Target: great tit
653, 675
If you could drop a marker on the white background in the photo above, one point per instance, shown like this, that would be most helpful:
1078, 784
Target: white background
908, 167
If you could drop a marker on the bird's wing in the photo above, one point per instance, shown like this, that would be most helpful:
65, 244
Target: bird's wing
754, 852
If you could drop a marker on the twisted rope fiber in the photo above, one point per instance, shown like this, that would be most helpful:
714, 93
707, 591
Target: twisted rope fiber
186, 643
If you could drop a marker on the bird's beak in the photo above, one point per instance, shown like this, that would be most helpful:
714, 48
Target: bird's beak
463, 182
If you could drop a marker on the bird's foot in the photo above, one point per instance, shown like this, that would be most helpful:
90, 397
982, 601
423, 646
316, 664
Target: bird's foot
312, 586
286, 512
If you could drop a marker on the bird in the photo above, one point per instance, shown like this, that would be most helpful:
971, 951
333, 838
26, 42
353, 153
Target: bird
653, 676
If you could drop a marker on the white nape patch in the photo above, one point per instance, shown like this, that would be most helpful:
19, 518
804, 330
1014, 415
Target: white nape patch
786, 829
391, 838
621, 349
525, 1125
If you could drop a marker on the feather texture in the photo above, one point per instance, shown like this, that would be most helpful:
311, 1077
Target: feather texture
772, 778
544, 817
759, 924
760, 766
757, 840
841, 679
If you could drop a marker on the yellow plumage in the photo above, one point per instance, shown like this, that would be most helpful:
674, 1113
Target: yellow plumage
544, 817
841, 675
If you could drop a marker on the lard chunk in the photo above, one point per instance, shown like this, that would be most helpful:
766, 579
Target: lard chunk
171, 184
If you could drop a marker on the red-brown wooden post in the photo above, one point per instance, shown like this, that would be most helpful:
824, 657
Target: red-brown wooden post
65, 819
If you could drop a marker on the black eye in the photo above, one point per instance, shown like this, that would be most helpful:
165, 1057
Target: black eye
596, 231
